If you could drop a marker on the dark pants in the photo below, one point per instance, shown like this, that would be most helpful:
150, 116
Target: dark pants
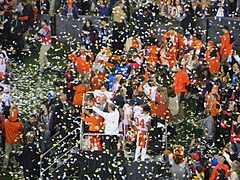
224, 136
110, 142
70, 93
3, 138
200, 104
17, 42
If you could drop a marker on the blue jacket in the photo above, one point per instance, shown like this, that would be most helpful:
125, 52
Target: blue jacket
65, 10
104, 11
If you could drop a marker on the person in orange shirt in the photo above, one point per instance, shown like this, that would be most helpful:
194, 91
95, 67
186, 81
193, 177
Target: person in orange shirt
176, 38
168, 54
216, 172
95, 125
197, 44
212, 57
214, 90
80, 89
181, 81
97, 80
13, 128
151, 53
82, 61
134, 42
213, 107
226, 44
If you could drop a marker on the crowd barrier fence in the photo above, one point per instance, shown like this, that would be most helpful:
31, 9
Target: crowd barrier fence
68, 29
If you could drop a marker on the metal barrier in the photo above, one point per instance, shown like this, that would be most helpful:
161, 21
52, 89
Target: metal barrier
208, 27
214, 28
69, 29
66, 153
51, 149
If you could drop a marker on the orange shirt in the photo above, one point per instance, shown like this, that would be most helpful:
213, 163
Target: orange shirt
160, 110
95, 122
171, 53
213, 108
12, 130
197, 44
209, 97
81, 62
215, 172
135, 43
178, 40
226, 47
97, 81
151, 55
213, 62
181, 80
78, 95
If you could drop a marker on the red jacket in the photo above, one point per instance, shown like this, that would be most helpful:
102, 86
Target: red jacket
47, 38
181, 80
235, 132
178, 40
12, 130
82, 64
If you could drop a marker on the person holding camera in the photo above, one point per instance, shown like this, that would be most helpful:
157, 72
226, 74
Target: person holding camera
82, 59
44, 35
95, 125
220, 170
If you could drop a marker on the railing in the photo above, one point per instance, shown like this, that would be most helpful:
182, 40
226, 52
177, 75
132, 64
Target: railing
69, 29
74, 132
58, 160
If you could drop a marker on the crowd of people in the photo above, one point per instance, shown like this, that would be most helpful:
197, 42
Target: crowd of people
125, 81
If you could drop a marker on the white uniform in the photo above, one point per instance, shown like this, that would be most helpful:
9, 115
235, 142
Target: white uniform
127, 114
99, 62
98, 93
142, 135
141, 122
3, 59
6, 96
150, 91
137, 110
115, 87
5, 100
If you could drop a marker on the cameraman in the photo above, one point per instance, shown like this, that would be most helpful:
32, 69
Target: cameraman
44, 35
219, 167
